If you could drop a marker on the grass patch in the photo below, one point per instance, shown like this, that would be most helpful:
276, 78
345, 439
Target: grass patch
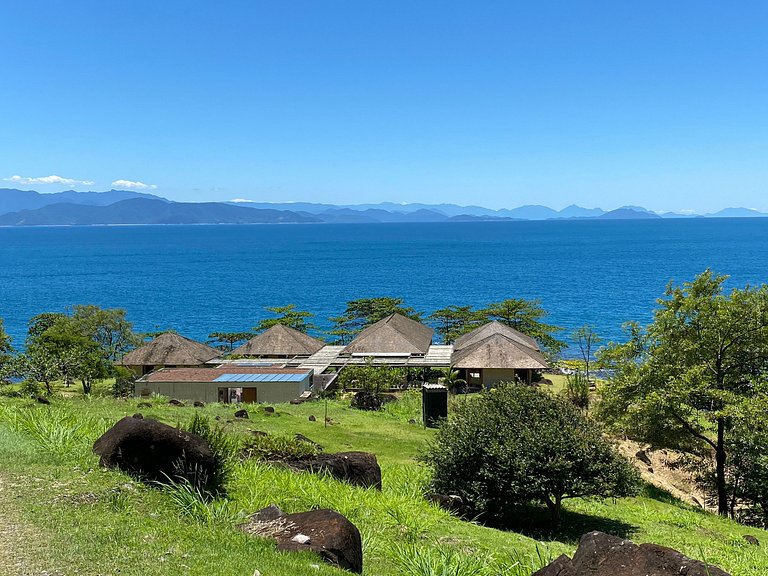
82, 519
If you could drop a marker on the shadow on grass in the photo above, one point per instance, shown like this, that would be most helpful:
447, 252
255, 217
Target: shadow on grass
535, 522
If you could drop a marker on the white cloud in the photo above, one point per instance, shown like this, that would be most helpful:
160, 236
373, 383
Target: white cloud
133, 184
52, 179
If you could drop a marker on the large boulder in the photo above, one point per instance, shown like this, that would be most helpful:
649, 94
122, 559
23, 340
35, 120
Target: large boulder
155, 452
325, 532
601, 554
356, 468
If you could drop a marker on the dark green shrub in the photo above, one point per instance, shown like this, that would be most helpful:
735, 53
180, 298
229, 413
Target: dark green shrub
226, 449
514, 446
125, 383
30, 388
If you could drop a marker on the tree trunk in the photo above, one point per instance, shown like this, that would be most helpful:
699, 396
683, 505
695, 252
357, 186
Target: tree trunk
86, 386
554, 510
720, 458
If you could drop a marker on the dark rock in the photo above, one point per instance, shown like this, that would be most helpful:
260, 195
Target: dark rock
294, 401
370, 401
218, 418
242, 414
451, 502
642, 455
198, 404
601, 554
324, 532
144, 405
271, 512
154, 452
174, 402
561, 566
138, 416
544, 382
751, 539
312, 418
356, 468
302, 438
269, 410
43, 400
259, 433
412, 421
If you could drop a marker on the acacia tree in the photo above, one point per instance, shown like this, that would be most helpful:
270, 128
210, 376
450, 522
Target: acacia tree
227, 340
525, 316
107, 327
287, 315
455, 321
366, 311
679, 382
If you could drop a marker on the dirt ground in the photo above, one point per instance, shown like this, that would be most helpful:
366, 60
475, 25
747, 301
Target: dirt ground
661, 468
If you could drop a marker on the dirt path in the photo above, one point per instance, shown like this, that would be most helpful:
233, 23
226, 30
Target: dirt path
15, 538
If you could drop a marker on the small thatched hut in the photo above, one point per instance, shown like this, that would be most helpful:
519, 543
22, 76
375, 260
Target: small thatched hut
394, 335
495, 353
169, 350
280, 342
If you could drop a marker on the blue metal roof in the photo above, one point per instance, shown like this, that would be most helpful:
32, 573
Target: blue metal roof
261, 378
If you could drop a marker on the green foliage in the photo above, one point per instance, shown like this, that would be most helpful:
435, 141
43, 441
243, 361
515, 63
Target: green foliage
226, 450
577, 389
277, 447
226, 340
680, 381
58, 432
5, 354
107, 327
30, 388
515, 445
366, 311
526, 316
124, 385
407, 407
455, 321
452, 381
200, 507
287, 316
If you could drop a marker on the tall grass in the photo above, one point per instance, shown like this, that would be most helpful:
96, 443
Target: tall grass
57, 431
198, 506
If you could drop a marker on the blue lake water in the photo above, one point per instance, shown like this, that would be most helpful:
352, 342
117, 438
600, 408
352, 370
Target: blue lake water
200, 279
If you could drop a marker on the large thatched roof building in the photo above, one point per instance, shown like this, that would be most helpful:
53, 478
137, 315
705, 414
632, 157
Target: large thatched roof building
280, 342
393, 335
168, 350
494, 353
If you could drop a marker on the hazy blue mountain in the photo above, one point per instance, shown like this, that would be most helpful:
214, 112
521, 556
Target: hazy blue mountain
13, 200
628, 213
348, 215
574, 211
737, 213
149, 211
529, 212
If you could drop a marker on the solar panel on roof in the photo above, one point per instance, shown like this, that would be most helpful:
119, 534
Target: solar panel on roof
261, 378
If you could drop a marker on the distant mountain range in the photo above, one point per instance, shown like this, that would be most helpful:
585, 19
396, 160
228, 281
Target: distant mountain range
30, 208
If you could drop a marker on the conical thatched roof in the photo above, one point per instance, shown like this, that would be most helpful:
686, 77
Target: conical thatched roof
280, 340
491, 328
395, 334
170, 349
498, 351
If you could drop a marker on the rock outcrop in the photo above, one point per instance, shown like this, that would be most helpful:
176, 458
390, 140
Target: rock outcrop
325, 532
601, 554
356, 468
155, 452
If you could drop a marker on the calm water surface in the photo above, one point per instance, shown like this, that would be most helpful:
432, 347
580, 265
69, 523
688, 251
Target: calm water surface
199, 279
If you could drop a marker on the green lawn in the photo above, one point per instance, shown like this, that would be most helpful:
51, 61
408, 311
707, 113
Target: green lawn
71, 517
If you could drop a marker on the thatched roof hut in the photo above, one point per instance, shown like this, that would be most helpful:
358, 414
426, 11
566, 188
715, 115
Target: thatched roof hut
170, 349
497, 351
280, 340
491, 328
395, 334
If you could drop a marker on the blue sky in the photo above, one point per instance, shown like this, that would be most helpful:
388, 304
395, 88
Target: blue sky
659, 104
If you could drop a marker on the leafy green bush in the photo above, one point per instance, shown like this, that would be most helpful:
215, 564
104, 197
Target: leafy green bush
30, 388
124, 385
225, 447
277, 447
515, 445
577, 389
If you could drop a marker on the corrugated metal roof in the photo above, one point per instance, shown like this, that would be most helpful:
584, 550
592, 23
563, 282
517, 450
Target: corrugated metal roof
261, 378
